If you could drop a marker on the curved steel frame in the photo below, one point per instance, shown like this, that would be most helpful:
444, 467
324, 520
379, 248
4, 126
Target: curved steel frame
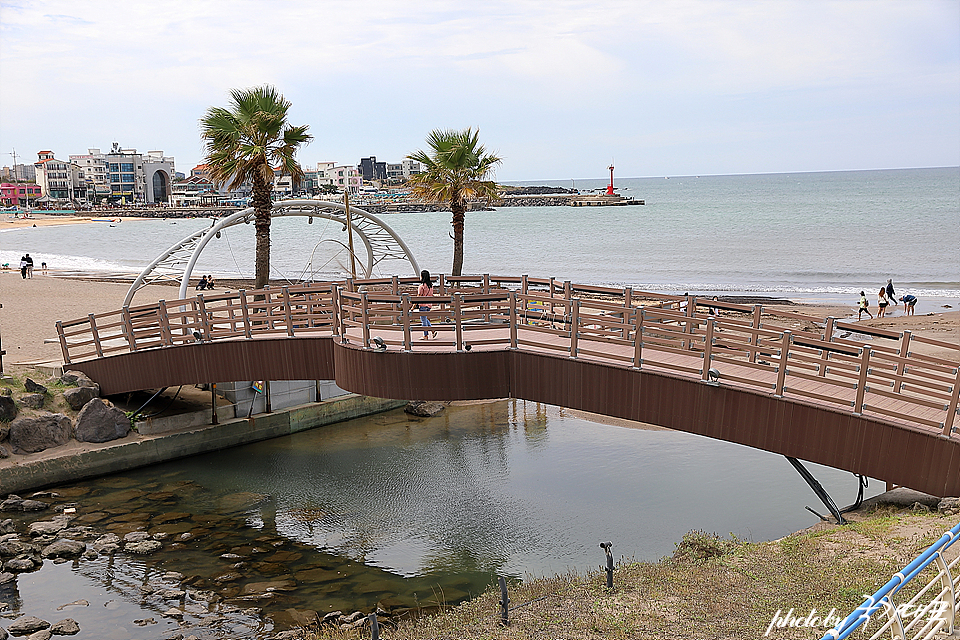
178, 261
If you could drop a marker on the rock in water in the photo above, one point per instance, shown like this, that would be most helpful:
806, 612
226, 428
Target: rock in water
27, 624
66, 627
424, 409
100, 421
30, 435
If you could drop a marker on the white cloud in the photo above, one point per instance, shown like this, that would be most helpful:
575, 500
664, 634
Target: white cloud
379, 75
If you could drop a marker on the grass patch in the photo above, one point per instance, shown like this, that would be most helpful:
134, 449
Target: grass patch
711, 587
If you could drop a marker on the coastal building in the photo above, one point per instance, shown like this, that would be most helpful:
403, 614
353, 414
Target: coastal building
403, 170
19, 173
195, 191
124, 175
370, 169
59, 180
19, 194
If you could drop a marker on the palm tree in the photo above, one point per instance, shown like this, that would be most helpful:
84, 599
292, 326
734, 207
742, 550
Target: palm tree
245, 141
458, 168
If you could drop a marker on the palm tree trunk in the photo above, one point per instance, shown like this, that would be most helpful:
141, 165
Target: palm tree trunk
262, 206
458, 217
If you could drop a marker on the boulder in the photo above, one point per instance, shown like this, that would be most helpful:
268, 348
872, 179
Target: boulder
30, 435
8, 411
43, 634
48, 527
33, 505
65, 627
4, 453
142, 547
100, 421
34, 387
27, 624
20, 564
79, 379
63, 549
12, 503
7, 526
424, 409
33, 400
79, 396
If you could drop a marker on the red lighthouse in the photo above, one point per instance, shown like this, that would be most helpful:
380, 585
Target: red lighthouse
610, 186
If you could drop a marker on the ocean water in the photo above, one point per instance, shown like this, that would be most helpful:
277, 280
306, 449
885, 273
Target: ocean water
823, 235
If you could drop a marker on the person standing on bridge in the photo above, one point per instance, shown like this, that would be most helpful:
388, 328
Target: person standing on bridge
425, 290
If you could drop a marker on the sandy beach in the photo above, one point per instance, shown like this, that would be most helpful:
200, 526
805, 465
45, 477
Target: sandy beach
47, 220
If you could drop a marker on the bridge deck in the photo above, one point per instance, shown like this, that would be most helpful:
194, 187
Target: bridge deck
823, 390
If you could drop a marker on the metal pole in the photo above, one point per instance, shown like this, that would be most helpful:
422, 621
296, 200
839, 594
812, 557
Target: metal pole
504, 602
213, 402
606, 546
346, 206
374, 627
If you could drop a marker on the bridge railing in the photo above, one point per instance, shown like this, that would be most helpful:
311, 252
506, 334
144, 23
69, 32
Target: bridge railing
930, 613
747, 344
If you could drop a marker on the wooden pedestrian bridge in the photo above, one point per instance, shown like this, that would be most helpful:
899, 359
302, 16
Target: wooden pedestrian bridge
819, 389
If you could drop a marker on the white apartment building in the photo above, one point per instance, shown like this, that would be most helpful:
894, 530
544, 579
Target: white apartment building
123, 175
343, 177
59, 180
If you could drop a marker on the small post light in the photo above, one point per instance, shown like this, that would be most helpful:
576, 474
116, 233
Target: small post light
714, 375
606, 546
197, 336
378, 344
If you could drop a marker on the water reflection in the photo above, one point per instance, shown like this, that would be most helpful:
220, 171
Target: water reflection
405, 512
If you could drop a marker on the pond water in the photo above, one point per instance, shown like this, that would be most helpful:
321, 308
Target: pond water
406, 513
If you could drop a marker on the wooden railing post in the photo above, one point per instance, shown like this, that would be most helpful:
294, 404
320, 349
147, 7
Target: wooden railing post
902, 366
707, 350
92, 319
289, 310
691, 311
365, 318
127, 327
825, 353
395, 285
458, 319
204, 320
638, 339
338, 330
407, 346
628, 308
755, 338
63, 343
514, 317
524, 284
862, 379
245, 311
952, 407
782, 365
442, 285
574, 326
166, 334
486, 292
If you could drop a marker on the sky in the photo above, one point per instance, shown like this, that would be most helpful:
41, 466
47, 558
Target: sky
558, 89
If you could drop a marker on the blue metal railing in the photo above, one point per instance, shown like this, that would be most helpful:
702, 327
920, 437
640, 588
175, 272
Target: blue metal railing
943, 606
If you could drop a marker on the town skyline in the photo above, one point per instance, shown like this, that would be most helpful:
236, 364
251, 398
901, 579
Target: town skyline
559, 91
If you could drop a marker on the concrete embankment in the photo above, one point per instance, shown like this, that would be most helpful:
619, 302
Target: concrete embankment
77, 461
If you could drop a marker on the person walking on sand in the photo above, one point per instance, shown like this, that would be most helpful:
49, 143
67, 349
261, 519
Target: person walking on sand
882, 302
891, 294
425, 290
23, 267
29, 266
909, 304
864, 306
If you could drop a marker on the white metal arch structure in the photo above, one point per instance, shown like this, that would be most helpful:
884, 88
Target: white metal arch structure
178, 261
